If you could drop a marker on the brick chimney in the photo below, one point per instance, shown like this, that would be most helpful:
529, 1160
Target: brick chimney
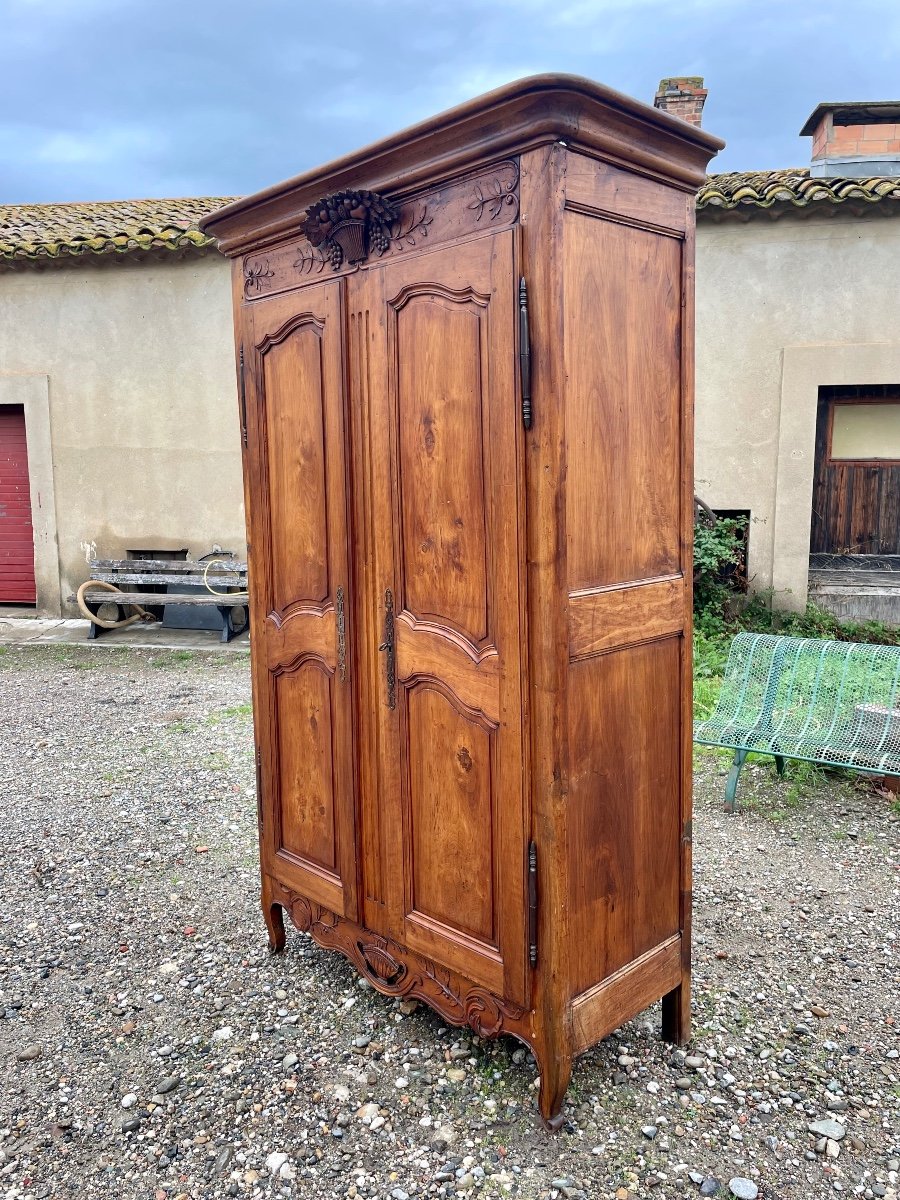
682, 97
855, 140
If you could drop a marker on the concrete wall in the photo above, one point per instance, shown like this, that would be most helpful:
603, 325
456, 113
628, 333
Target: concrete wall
785, 306
135, 364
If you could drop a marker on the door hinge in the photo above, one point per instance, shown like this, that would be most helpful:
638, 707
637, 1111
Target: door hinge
243, 396
532, 903
524, 354
259, 787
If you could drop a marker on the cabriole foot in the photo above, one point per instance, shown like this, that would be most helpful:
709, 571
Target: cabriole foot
556, 1072
274, 918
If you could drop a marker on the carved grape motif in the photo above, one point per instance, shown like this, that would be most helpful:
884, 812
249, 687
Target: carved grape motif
349, 225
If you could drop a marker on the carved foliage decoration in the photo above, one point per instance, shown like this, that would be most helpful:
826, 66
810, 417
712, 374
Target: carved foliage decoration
411, 227
399, 972
350, 225
255, 276
490, 195
310, 261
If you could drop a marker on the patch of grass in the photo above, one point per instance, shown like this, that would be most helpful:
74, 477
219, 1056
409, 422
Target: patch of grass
224, 714
172, 658
706, 692
710, 654
771, 806
217, 761
759, 616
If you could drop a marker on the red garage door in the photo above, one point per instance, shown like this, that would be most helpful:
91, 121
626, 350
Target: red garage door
16, 535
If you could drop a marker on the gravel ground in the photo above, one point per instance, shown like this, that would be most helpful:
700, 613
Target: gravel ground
150, 1047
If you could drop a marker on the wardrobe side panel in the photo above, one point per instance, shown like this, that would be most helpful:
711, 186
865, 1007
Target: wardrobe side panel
626, 569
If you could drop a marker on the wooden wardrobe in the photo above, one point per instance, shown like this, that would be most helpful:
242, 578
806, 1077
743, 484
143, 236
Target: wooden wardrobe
465, 372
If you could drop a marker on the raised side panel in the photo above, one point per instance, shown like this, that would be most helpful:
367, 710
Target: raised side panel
603, 618
627, 263
622, 408
601, 1009
624, 720
604, 189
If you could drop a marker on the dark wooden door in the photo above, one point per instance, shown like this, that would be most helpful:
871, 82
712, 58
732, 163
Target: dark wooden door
301, 578
16, 534
435, 359
856, 486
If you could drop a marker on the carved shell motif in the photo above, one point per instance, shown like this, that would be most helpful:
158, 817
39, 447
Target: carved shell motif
351, 224
381, 964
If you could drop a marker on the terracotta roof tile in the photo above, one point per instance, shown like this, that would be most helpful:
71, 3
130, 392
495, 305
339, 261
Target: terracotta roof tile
775, 189
44, 232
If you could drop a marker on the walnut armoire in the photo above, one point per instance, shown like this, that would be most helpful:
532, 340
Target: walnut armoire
465, 374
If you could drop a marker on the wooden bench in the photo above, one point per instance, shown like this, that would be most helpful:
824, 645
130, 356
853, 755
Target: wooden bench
223, 583
833, 703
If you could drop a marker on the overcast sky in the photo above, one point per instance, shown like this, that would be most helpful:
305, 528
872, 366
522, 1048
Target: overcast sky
109, 99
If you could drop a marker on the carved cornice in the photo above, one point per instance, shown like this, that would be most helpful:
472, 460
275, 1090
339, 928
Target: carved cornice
510, 121
396, 971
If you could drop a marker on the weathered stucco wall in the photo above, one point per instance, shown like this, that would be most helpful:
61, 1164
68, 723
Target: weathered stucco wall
138, 363
783, 307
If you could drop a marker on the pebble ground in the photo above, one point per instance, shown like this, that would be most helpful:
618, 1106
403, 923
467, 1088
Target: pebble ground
152, 1049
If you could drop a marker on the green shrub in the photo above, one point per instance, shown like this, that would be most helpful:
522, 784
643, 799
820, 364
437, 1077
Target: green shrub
718, 552
721, 610
759, 616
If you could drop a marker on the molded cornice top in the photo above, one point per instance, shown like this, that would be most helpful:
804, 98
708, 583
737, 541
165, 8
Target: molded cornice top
517, 117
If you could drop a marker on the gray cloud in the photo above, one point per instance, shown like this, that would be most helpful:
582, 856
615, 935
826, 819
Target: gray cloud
111, 98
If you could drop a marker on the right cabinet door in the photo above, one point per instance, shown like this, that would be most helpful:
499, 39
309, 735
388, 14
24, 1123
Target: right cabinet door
447, 589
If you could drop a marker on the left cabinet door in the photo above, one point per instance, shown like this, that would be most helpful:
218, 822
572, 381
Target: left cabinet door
301, 597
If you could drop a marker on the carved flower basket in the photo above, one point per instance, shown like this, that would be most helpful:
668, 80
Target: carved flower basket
351, 237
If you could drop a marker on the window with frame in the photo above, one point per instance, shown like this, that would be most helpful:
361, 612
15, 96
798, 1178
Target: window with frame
864, 428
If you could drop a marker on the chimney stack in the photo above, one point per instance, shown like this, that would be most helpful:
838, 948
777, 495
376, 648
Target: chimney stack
855, 140
682, 97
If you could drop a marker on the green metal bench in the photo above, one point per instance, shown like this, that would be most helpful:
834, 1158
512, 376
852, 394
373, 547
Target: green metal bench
834, 703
